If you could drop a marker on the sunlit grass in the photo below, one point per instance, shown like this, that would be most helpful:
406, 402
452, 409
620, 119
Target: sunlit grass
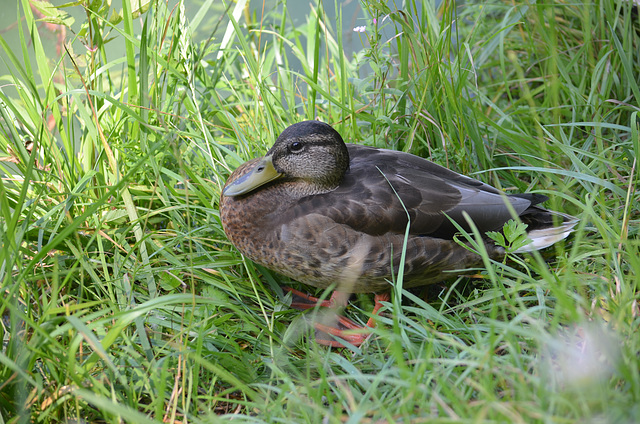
122, 300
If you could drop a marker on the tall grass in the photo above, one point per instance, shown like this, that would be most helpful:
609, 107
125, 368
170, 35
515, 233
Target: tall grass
122, 300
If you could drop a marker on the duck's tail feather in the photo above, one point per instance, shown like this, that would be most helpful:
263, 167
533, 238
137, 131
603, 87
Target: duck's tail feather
543, 233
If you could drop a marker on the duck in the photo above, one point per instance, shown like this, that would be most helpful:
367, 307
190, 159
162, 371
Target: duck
332, 214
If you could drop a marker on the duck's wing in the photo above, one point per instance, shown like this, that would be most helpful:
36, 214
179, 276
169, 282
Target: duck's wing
384, 190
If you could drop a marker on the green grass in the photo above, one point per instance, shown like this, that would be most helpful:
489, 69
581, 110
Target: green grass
122, 300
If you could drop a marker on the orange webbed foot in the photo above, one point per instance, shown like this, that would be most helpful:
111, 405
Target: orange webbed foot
337, 327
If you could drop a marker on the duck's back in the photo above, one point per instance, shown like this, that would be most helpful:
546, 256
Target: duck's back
384, 190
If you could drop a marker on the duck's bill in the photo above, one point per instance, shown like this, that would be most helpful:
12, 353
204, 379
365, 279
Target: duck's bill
261, 173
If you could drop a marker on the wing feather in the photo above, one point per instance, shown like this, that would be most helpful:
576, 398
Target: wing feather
381, 188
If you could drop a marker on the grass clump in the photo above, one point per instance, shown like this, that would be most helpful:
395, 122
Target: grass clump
122, 300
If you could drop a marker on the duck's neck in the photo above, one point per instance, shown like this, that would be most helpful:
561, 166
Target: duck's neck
299, 189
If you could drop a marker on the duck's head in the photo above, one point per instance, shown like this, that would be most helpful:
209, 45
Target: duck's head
310, 154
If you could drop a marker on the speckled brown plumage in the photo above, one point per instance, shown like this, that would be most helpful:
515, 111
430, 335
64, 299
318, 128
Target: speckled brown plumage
322, 213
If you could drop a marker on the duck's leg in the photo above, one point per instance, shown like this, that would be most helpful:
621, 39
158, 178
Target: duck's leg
341, 327
302, 302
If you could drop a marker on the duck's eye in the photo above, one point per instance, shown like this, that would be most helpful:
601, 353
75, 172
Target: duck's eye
296, 146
